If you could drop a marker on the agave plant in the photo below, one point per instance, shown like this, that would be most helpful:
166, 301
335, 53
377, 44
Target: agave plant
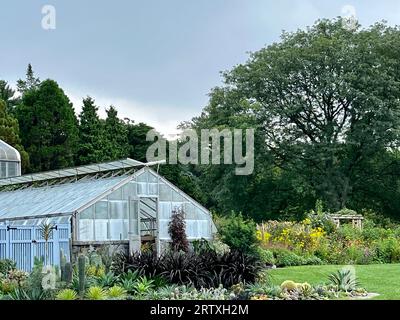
117, 293
128, 285
143, 285
96, 293
106, 280
344, 280
66, 294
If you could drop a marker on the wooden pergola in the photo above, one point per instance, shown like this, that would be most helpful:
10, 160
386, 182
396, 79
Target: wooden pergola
356, 220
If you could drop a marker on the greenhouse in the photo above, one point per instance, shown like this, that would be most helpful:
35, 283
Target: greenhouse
120, 204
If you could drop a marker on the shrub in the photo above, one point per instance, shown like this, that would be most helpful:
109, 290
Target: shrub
66, 294
388, 250
287, 258
238, 233
312, 261
177, 231
6, 265
266, 256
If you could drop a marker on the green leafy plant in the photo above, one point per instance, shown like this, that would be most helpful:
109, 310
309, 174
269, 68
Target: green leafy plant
238, 233
143, 285
7, 265
46, 232
344, 280
66, 294
117, 293
106, 280
96, 293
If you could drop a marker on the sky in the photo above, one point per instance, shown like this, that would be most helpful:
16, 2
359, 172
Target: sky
155, 61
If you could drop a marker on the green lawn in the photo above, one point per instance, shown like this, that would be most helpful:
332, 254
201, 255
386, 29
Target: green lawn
383, 279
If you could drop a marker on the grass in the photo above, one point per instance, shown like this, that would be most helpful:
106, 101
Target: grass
382, 278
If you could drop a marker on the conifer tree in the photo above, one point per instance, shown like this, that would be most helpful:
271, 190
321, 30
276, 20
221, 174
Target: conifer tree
48, 127
116, 133
91, 135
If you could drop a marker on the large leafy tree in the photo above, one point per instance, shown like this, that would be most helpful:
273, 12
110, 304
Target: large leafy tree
91, 146
116, 134
48, 127
9, 132
324, 102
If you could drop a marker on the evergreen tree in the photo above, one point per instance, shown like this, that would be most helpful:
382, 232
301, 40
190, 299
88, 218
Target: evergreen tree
48, 127
116, 134
91, 135
137, 140
30, 83
9, 133
7, 95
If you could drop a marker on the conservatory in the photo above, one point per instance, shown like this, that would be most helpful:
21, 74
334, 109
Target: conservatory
122, 203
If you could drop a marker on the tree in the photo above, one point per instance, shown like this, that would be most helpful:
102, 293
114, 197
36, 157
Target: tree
116, 134
325, 101
48, 127
30, 83
9, 133
7, 94
137, 140
91, 135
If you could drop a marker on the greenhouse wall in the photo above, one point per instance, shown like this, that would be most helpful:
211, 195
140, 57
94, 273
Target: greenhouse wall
110, 219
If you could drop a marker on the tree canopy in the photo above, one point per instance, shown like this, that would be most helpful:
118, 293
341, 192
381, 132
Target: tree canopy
324, 102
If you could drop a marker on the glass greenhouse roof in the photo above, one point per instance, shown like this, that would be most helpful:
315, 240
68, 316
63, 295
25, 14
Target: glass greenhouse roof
8, 153
72, 172
57, 200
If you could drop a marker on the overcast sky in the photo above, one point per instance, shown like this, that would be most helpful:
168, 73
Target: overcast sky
155, 61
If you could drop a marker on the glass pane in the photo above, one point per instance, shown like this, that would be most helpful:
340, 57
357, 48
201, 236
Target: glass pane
153, 188
190, 211
86, 214
101, 226
142, 188
116, 229
134, 218
176, 196
116, 195
3, 170
165, 210
12, 169
85, 227
192, 228
165, 192
142, 177
129, 190
101, 209
118, 209
152, 178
